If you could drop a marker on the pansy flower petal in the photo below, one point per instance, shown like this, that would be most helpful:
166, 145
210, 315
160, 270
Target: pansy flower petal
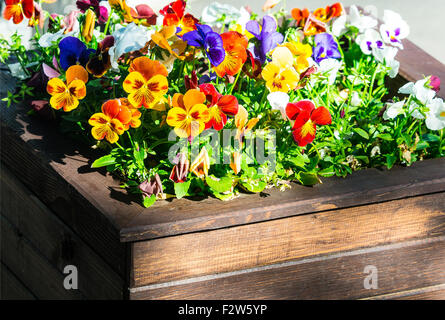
193, 97
76, 72
228, 104
321, 116
77, 89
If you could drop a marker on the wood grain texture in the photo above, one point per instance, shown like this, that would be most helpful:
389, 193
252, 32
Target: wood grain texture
58, 171
55, 241
12, 288
237, 248
435, 292
33, 270
401, 266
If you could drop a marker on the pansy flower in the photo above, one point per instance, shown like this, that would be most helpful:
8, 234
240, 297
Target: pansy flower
212, 43
200, 166
101, 11
146, 83
219, 106
134, 120
243, 123
109, 124
300, 16
72, 52
18, 9
174, 16
394, 28
279, 74
235, 162
330, 12
67, 95
181, 169
189, 114
235, 46
325, 47
306, 118
314, 26
370, 41
301, 52
267, 36
144, 15
152, 186
100, 62
166, 34
88, 25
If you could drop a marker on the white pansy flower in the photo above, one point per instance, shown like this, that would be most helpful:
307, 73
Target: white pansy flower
394, 28
278, 101
329, 67
355, 99
128, 39
419, 90
435, 118
414, 110
393, 110
212, 14
387, 56
370, 41
359, 21
339, 26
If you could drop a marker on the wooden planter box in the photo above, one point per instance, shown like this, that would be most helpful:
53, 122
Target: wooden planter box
305, 243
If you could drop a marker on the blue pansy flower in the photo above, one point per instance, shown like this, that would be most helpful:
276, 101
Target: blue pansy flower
209, 40
73, 51
325, 48
267, 35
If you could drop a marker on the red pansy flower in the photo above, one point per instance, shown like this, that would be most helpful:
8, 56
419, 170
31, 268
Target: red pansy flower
306, 118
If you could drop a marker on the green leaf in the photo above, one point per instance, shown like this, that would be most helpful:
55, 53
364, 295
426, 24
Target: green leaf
253, 185
422, 145
148, 201
104, 161
362, 133
385, 136
429, 137
390, 160
308, 178
139, 155
219, 185
224, 196
182, 188
328, 172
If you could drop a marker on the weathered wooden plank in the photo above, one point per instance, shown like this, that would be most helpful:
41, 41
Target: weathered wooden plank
242, 247
55, 241
400, 266
436, 292
33, 270
11, 288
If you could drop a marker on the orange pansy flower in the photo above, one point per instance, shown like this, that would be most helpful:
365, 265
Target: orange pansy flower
189, 113
161, 39
235, 46
109, 124
174, 16
67, 95
243, 125
146, 83
18, 9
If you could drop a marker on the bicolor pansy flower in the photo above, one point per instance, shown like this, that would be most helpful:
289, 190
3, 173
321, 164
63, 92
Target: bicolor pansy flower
219, 106
235, 47
325, 48
306, 118
109, 124
146, 83
189, 114
100, 62
66, 96
370, 41
394, 29
174, 15
18, 10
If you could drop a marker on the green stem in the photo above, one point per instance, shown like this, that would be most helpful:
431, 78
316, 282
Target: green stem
234, 83
108, 22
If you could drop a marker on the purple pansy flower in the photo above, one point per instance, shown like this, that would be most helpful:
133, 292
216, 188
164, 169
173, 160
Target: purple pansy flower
206, 78
209, 40
101, 11
268, 37
73, 51
325, 47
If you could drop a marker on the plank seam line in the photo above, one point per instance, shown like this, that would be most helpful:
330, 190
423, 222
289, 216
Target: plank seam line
398, 245
407, 293
4, 265
143, 230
